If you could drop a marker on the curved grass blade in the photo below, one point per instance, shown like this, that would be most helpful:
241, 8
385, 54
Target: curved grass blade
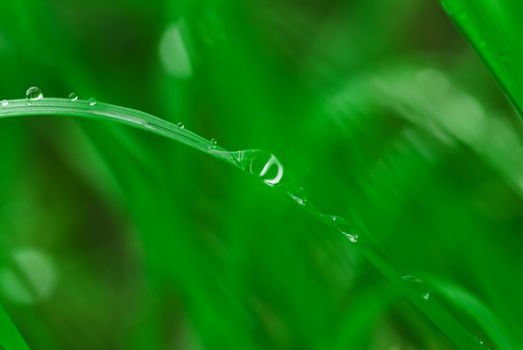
262, 164
494, 29
92, 110
428, 99
465, 301
452, 114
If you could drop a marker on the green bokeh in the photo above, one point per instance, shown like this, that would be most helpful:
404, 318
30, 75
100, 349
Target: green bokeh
114, 238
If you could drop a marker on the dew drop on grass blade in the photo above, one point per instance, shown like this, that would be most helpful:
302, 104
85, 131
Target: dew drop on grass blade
259, 163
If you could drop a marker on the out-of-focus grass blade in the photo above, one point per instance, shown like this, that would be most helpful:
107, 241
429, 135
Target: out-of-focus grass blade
368, 305
10, 338
428, 99
86, 109
468, 303
494, 29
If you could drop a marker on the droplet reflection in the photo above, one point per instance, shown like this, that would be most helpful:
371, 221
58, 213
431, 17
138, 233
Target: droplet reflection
34, 93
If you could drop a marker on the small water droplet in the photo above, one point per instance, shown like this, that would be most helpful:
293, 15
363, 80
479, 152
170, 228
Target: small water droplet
73, 97
5, 103
295, 192
480, 341
343, 226
33, 93
353, 238
213, 145
417, 286
297, 198
180, 125
92, 102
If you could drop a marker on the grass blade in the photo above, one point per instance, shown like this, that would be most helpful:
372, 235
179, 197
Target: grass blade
260, 163
10, 337
493, 27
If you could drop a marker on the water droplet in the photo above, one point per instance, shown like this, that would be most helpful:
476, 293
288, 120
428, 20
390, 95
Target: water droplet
353, 238
213, 145
263, 164
343, 226
5, 103
417, 286
180, 125
297, 198
297, 193
33, 93
92, 102
73, 97
479, 340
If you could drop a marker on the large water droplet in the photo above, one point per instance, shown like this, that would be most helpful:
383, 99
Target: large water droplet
263, 164
5, 103
34, 93
343, 226
73, 97
180, 125
92, 102
417, 286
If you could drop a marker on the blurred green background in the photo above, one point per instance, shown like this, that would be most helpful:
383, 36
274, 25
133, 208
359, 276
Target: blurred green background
112, 238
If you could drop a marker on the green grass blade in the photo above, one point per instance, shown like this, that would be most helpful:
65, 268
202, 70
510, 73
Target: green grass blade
468, 303
10, 337
494, 28
85, 109
260, 163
